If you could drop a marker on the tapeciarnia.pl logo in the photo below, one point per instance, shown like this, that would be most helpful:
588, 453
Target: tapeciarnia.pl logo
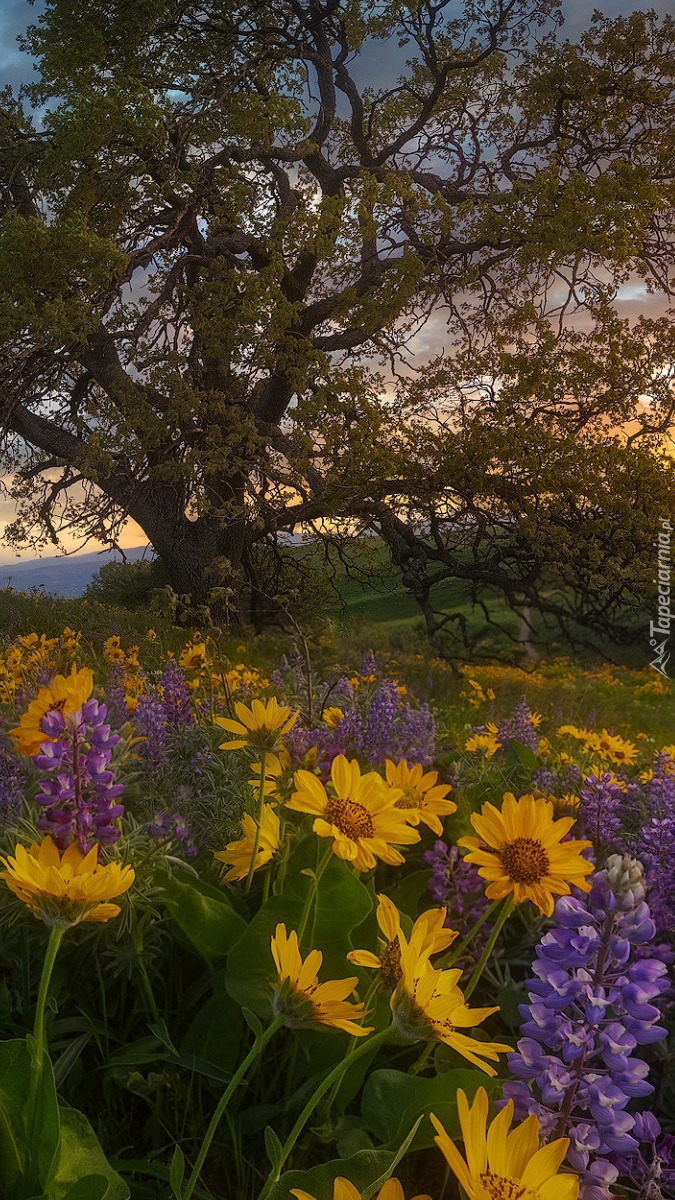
659, 630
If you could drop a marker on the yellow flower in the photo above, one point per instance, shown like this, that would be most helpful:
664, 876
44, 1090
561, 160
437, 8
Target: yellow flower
193, 657
65, 889
500, 1165
333, 716
428, 1005
112, 650
423, 798
301, 999
520, 849
344, 1190
482, 741
66, 694
362, 817
151, 636
238, 854
428, 933
261, 726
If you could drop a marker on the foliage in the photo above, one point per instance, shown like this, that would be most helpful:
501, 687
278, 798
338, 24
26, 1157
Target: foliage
222, 267
174, 1010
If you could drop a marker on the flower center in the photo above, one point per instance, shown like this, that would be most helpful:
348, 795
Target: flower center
350, 818
390, 963
498, 1187
408, 800
524, 860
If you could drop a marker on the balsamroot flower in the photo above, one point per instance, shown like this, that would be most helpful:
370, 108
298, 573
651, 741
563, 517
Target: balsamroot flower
237, 855
65, 889
423, 798
428, 933
301, 999
66, 694
520, 849
344, 1190
361, 817
261, 726
500, 1165
428, 1005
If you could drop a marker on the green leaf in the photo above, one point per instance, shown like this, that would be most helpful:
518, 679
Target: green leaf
177, 1172
274, 1148
342, 903
81, 1156
204, 914
362, 1169
523, 755
89, 1187
20, 1152
392, 1102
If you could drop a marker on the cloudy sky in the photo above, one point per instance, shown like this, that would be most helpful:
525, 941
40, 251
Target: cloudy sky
16, 68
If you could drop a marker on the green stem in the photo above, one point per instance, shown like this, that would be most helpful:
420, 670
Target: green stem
461, 947
311, 894
55, 936
352, 1043
256, 1049
337, 1073
259, 820
489, 946
137, 937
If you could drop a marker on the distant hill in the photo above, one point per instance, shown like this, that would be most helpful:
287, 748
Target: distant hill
63, 576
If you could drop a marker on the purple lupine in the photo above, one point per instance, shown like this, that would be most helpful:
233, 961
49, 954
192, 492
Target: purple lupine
518, 728
603, 798
654, 843
379, 732
175, 697
174, 827
150, 724
592, 1004
369, 665
79, 797
115, 699
415, 735
12, 781
456, 885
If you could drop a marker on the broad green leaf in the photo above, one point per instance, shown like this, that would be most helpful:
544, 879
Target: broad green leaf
362, 1169
80, 1155
25, 1151
203, 913
216, 1032
392, 1101
89, 1187
342, 903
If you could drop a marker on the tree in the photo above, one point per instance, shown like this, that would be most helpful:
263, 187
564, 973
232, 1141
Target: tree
222, 249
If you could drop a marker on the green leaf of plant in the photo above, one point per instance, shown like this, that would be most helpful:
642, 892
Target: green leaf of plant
177, 1172
89, 1187
80, 1155
361, 1169
342, 903
392, 1101
273, 1146
204, 914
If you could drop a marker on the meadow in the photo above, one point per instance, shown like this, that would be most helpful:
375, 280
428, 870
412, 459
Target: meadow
324, 915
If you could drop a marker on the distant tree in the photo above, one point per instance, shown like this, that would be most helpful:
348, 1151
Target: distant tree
225, 245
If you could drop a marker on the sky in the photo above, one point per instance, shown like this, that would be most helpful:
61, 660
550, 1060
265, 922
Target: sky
16, 68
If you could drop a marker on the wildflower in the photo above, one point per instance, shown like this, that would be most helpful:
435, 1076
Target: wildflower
65, 889
593, 1004
428, 1005
66, 694
456, 884
500, 1165
423, 798
79, 796
333, 716
482, 741
428, 933
112, 650
175, 697
301, 999
193, 657
521, 727
520, 850
362, 817
150, 635
238, 854
261, 726
344, 1190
